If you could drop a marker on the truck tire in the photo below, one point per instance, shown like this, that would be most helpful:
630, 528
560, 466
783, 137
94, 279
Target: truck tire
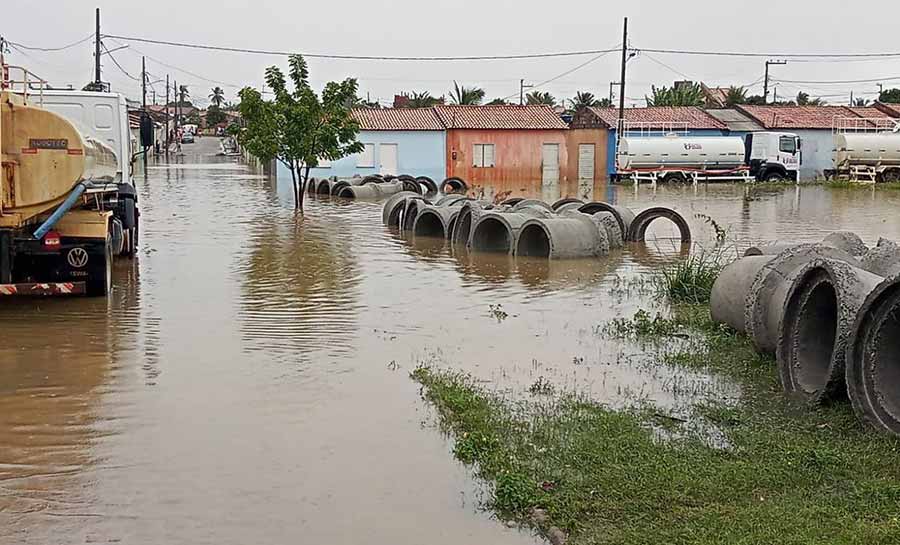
99, 281
132, 236
775, 177
890, 176
674, 178
117, 236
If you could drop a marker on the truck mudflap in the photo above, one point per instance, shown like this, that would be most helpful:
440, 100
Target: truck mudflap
43, 289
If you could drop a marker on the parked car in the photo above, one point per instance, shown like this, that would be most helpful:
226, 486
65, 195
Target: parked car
187, 138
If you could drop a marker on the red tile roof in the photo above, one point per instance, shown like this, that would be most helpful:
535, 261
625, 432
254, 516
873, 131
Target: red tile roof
892, 110
397, 119
661, 117
807, 117
500, 117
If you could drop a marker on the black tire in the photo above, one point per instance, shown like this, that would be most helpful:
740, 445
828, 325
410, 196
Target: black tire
99, 281
775, 177
674, 178
132, 236
117, 237
890, 176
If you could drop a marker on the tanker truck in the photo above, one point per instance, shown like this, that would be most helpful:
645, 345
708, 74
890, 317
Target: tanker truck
67, 201
760, 156
867, 156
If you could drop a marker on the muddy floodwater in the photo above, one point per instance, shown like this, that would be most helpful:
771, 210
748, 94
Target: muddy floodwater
247, 381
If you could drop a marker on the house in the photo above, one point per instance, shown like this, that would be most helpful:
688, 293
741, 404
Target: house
650, 121
816, 125
504, 145
396, 141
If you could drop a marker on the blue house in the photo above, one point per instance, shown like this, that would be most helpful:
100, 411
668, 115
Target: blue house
397, 141
650, 121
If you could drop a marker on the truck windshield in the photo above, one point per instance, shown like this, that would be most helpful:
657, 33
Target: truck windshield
787, 144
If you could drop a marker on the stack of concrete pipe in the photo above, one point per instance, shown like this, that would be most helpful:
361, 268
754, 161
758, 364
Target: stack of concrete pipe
568, 228
830, 314
378, 186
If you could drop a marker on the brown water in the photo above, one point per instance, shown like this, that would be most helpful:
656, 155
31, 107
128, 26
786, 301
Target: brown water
247, 381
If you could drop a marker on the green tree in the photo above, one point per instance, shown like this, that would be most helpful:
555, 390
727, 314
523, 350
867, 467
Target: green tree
217, 97
682, 95
183, 94
540, 97
735, 95
214, 116
584, 99
422, 100
890, 96
297, 127
756, 100
498, 102
466, 95
804, 100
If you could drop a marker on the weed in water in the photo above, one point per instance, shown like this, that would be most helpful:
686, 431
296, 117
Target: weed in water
690, 281
541, 386
642, 325
498, 313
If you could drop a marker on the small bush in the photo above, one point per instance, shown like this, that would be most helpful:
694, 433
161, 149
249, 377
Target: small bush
690, 281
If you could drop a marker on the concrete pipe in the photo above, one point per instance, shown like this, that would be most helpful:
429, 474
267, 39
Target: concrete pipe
324, 187
454, 185
569, 235
427, 186
451, 200
311, 185
497, 232
565, 201
847, 241
607, 221
638, 229
435, 221
623, 216
389, 188
820, 309
413, 207
469, 213
370, 191
568, 207
531, 203
873, 352
883, 259
512, 202
764, 306
394, 208
729, 291
768, 248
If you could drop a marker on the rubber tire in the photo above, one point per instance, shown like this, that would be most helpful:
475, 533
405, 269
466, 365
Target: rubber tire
890, 176
117, 236
674, 178
99, 281
132, 237
775, 178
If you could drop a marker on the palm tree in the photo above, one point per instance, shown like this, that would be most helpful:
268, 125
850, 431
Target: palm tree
540, 97
804, 100
423, 100
735, 95
683, 95
466, 95
583, 99
498, 102
217, 97
183, 93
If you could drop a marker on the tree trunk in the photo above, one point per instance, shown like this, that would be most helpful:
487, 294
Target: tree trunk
294, 184
305, 178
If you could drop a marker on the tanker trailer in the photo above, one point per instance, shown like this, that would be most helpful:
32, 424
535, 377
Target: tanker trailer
65, 201
872, 156
761, 156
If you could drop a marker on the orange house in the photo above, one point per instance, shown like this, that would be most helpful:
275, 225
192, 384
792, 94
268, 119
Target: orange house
506, 147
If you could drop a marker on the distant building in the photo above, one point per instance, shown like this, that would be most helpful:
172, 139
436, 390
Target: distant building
815, 125
506, 147
396, 141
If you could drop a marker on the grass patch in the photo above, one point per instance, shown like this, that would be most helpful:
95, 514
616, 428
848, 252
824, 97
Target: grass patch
791, 474
690, 281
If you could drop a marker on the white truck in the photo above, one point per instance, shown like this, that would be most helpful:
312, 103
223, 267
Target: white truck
867, 156
760, 156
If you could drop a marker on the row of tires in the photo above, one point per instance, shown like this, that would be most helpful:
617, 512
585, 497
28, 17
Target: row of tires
830, 314
568, 228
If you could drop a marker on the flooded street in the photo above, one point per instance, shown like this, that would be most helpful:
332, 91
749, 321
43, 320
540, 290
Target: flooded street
247, 381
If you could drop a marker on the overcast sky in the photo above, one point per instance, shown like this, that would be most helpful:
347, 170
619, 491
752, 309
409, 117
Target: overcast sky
465, 28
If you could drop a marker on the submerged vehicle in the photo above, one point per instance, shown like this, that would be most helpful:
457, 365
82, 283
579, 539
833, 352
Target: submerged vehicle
760, 156
68, 204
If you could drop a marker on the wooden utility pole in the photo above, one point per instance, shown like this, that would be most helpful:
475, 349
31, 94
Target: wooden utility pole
621, 126
143, 102
167, 115
97, 50
766, 84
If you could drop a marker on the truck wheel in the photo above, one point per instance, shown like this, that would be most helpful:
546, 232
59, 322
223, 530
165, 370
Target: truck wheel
775, 177
117, 237
891, 176
131, 236
99, 281
674, 178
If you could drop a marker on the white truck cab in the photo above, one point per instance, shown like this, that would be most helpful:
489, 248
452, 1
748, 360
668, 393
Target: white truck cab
773, 156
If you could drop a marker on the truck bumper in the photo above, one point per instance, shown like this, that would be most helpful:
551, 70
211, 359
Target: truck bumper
55, 288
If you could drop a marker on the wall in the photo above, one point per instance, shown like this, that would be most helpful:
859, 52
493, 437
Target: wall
419, 153
598, 137
517, 156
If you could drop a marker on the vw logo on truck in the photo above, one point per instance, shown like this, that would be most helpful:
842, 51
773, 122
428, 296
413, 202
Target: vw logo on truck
77, 258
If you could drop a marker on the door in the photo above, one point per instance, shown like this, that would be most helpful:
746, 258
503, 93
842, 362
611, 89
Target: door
387, 155
550, 162
585, 162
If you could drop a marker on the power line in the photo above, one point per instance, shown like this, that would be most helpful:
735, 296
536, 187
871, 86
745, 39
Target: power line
33, 48
567, 72
360, 57
664, 65
119, 66
782, 55
839, 82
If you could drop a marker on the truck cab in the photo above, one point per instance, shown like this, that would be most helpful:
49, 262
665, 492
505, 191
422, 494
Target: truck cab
773, 156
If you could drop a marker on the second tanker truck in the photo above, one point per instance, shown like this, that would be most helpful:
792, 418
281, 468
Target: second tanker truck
67, 203
759, 156
867, 156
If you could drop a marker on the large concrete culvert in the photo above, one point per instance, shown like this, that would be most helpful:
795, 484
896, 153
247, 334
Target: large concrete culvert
394, 206
873, 358
638, 230
729, 291
567, 236
469, 212
411, 212
492, 234
534, 241
427, 186
429, 224
623, 216
324, 187
454, 185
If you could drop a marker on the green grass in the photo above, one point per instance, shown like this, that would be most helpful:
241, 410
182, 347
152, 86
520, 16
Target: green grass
690, 281
791, 475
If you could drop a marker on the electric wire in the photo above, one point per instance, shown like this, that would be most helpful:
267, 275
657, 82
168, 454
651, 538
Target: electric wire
50, 49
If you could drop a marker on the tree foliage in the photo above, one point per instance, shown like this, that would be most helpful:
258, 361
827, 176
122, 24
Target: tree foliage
540, 97
681, 95
463, 95
498, 102
804, 100
297, 127
214, 116
890, 96
217, 96
735, 95
422, 99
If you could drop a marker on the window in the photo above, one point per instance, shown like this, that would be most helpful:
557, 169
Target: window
367, 157
483, 155
787, 144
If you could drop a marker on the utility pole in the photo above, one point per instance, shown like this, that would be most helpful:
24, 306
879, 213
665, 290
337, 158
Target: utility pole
766, 84
143, 101
612, 96
167, 115
522, 88
622, 84
851, 98
97, 50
